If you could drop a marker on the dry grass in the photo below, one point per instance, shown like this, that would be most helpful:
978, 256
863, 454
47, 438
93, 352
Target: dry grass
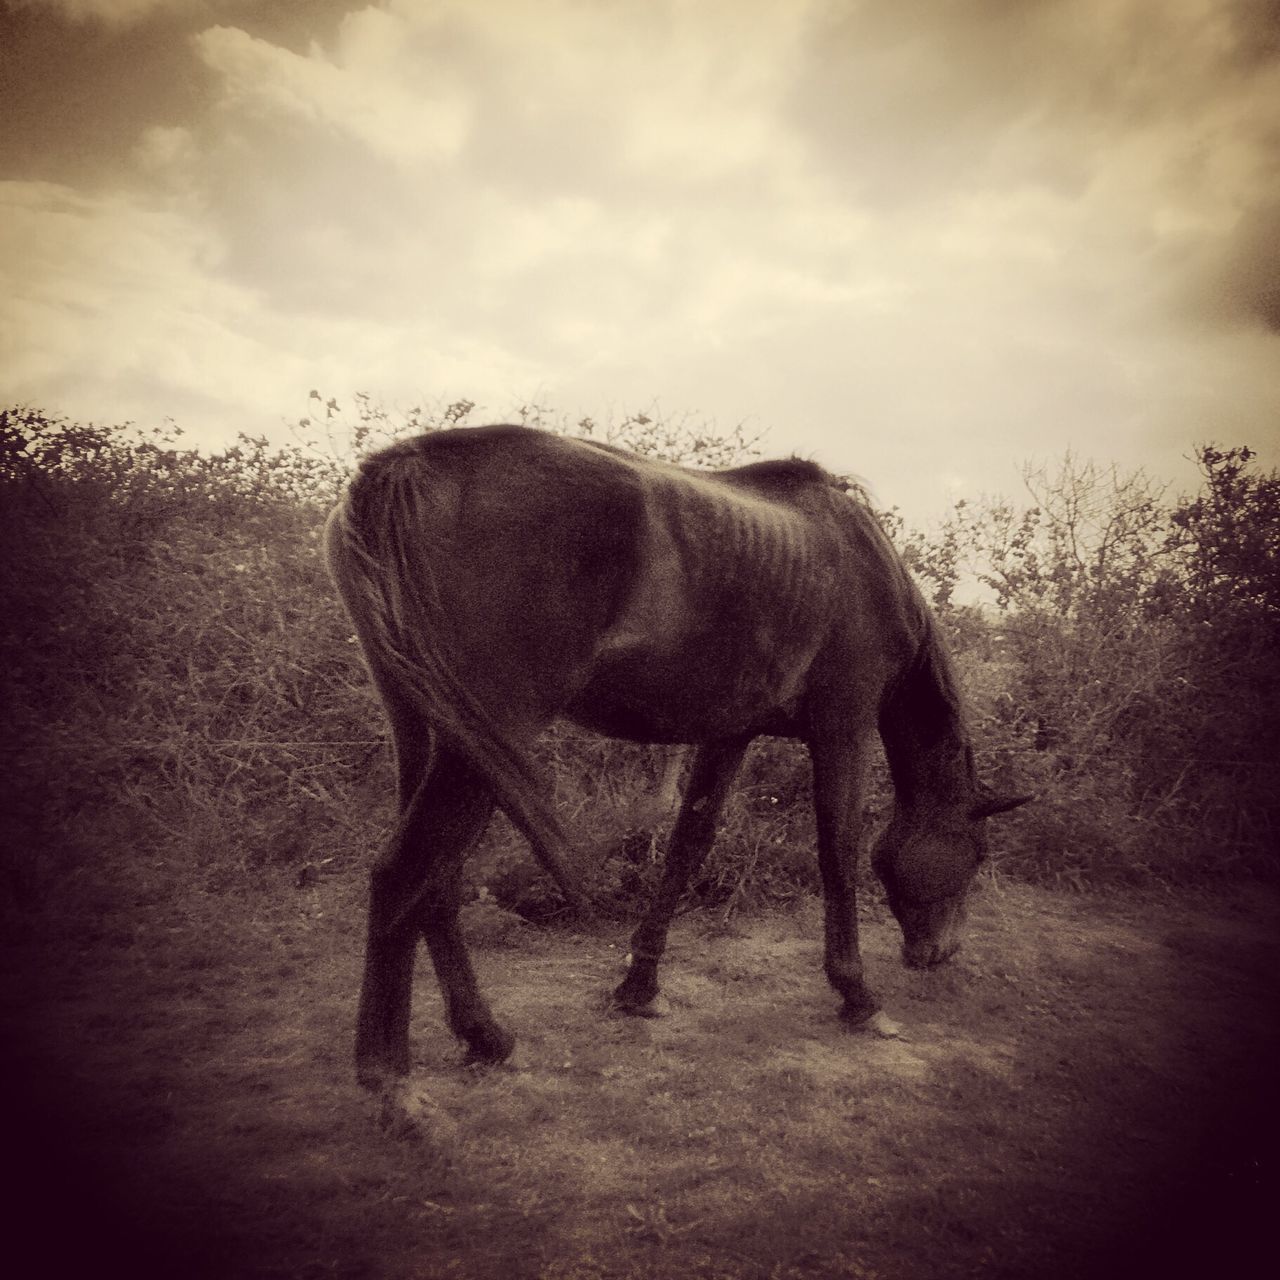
1083, 1092
194, 757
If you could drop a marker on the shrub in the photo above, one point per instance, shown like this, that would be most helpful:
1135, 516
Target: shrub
185, 689
186, 686
173, 636
1137, 670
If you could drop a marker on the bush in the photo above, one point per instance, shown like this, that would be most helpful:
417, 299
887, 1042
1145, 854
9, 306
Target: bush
1137, 674
187, 687
186, 691
176, 644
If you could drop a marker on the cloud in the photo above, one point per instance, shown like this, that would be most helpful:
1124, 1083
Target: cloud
1254, 27
108, 293
1237, 276
430, 145
545, 97
120, 13
359, 97
543, 169
1155, 121
916, 237
102, 287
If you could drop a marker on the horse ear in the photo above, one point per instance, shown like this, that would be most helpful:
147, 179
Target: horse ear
990, 805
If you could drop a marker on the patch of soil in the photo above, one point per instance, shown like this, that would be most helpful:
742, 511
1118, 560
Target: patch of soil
1089, 1090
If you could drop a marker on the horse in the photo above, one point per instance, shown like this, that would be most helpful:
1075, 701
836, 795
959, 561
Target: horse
500, 577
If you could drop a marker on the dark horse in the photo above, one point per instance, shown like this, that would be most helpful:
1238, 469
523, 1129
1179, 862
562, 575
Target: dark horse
499, 577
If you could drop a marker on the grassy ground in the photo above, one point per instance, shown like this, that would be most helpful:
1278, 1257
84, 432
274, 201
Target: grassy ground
1088, 1091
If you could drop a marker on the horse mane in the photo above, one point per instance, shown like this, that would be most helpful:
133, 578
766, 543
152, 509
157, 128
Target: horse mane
924, 722
935, 670
778, 473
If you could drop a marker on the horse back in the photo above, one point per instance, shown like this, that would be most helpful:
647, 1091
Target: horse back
752, 587
642, 599
532, 544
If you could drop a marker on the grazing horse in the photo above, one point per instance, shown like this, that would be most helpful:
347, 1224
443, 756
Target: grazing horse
499, 577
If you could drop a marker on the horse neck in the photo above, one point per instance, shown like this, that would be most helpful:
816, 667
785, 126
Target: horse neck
926, 739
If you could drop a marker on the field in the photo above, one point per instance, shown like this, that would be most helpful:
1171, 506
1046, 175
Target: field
1087, 1091
198, 769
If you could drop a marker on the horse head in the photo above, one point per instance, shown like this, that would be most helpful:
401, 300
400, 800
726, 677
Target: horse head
926, 859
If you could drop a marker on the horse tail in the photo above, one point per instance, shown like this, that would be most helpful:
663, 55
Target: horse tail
379, 546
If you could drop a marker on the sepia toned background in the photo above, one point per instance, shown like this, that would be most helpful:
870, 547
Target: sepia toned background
1013, 263
923, 242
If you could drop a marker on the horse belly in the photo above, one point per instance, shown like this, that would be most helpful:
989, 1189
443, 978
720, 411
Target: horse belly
689, 692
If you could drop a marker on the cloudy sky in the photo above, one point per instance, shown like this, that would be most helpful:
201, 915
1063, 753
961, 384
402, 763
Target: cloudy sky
920, 240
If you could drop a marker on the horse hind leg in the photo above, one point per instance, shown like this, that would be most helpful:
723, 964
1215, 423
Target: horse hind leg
416, 888
470, 1017
714, 768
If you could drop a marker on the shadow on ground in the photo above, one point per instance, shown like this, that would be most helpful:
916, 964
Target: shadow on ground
1088, 1092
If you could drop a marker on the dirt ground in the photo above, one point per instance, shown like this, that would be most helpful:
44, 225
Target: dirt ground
1090, 1090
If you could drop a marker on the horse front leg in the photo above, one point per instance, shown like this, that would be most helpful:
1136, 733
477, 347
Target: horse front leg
714, 768
839, 770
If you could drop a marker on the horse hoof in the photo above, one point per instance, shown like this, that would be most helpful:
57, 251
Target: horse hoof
882, 1026
658, 1007
495, 1045
408, 1113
